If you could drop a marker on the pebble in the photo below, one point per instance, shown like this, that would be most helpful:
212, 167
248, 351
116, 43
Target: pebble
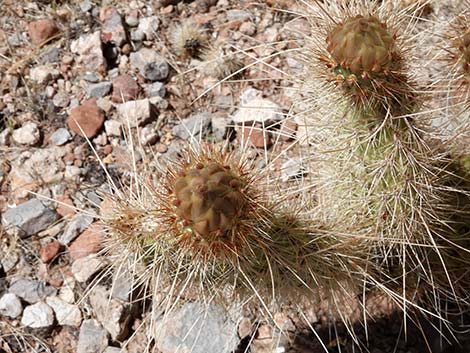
42, 30
112, 30
60, 137
148, 136
86, 5
238, 15
93, 338
89, 242
258, 110
150, 64
220, 125
49, 251
111, 313
88, 48
88, 116
188, 330
98, 90
132, 20
28, 134
291, 169
65, 206
149, 26
31, 291
113, 128
85, 267
135, 113
156, 89
115, 350
43, 73
38, 316
255, 135
66, 314
123, 284
10, 306
193, 126
125, 88
61, 99
5, 137
28, 218
77, 225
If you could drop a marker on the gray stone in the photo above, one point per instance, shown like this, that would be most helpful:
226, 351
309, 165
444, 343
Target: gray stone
10, 306
123, 284
132, 21
196, 328
98, 90
112, 128
238, 15
148, 136
38, 316
28, 218
86, 5
50, 56
220, 125
192, 126
31, 291
88, 48
91, 76
92, 338
156, 89
137, 35
66, 314
78, 224
113, 30
113, 314
85, 267
28, 134
135, 113
60, 136
115, 350
291, 169
5, 137
61, 99
149, 26
150, 64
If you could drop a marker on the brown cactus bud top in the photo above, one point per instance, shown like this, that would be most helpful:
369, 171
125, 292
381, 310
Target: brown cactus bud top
209, 198
362, 45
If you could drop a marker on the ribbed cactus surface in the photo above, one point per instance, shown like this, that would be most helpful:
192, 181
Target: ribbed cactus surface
362, 45
209, 198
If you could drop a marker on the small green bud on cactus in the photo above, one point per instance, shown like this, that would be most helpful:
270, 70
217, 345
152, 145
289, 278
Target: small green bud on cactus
209, 198
362, 45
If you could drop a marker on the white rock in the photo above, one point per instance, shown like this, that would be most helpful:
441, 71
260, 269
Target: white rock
149, 26
43, 73
72, 172
112, 128
66, 292
258, 110
28, 134
292, 168
88, 47
135, 112
66, 314
60, 136
10, 306
39, 315
148, 136
85, 267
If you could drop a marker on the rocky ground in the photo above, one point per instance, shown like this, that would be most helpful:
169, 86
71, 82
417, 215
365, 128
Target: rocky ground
75, 76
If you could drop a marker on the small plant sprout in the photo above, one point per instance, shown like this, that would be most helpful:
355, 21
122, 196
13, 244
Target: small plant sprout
189, 40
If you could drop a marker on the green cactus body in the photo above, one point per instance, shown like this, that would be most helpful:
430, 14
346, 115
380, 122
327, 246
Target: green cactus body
209, 199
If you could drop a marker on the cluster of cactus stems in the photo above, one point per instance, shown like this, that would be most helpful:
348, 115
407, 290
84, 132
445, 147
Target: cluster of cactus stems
387, 212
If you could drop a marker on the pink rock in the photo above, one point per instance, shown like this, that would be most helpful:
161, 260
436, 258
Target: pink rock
113, 30
255, 136
63, 209
125, 88
89, 242
88, 116
49, 251
42, 30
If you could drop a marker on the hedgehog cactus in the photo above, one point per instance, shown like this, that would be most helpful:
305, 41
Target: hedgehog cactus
464, 48
362, 45
209, 199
